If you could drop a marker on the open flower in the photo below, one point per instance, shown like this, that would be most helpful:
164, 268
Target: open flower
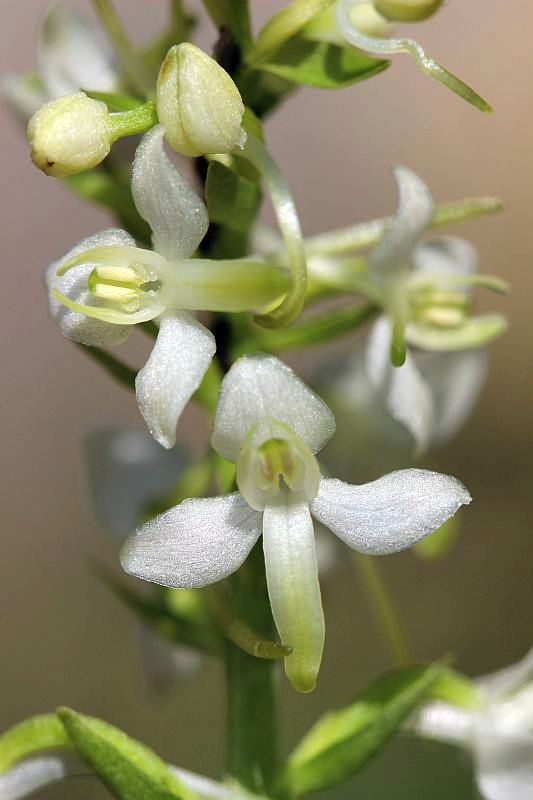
106, 284
498, 731
72, 54
271, 425
425, 290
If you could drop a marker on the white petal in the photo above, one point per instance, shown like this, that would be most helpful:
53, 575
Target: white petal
406, 394
504, 766
447, 255
509, 679
455, 381
177, 364
35, 773
293, 588
175, 213
414, 214
128, 470
165, 662
443, 723
74, 286
193, 544
263, 386
73, 54
389, 514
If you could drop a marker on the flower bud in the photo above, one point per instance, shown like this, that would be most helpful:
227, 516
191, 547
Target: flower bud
407, 10
198, 103
69, 135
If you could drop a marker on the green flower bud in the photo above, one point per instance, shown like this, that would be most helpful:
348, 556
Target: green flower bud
198, 103
69, 135
407, 10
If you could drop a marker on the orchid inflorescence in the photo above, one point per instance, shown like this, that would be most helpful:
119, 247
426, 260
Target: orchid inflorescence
176, 255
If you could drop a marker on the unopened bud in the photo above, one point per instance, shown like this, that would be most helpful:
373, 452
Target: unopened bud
69, 135
407, 10
198, 103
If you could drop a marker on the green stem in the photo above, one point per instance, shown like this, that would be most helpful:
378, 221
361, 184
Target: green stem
136, 120
118, 37
252, 713
367, 234
317, 330
387, 620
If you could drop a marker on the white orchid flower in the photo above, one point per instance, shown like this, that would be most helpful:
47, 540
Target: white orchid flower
72, 54
106, 284
425, 291
271, 425
498, 732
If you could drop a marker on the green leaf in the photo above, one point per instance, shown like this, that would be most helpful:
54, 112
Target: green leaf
285, 24
232, 200
321, 64
341, 742
130, 770
44, 732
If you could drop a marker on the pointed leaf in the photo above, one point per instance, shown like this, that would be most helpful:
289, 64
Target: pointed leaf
321, 64
130, 770
342, 741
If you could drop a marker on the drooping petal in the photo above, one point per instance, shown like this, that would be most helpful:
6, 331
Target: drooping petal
414, 214
177, 216
73, 285
177, 364
504, 765
389, 514
128, 470
35, 773
193, 544
447, 255
455, 381
262, 386
293, 588
406, 394
72, 54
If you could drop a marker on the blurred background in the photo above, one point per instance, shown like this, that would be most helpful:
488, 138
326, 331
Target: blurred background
64, 640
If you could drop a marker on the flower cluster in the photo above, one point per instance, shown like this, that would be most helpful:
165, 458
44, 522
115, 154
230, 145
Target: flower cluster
187, 522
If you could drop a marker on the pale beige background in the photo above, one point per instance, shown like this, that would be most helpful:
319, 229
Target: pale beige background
63, 640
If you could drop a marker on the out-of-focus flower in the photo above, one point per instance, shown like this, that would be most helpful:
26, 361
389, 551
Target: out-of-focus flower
271, 425
106, 284
72, 54
425, 290
128, 472
498, 731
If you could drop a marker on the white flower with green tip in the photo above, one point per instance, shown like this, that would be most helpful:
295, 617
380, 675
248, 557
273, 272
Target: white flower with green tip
272, 425
72, 54
425, 288
106, 284
498, 731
